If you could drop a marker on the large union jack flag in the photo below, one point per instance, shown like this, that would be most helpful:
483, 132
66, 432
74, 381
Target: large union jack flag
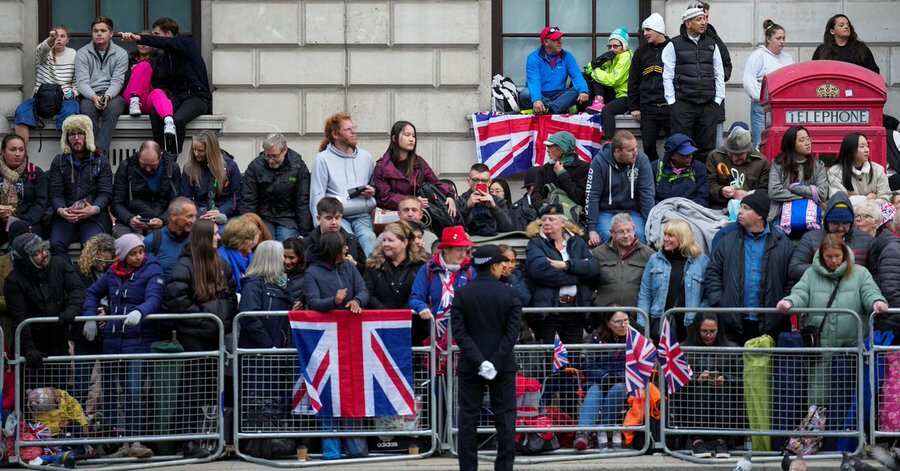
354, 365
510, 144
640, 359
672, 360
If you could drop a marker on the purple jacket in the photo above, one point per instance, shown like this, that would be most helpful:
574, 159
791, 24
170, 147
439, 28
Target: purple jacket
392, 185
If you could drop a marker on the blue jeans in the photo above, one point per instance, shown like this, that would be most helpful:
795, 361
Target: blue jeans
599, 408
62, 232
127, 375
604, 224
557, 101
282, 233
25, 112
757, 122
361, 227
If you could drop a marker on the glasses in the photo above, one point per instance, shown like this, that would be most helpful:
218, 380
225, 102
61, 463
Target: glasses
860, 217
613, 46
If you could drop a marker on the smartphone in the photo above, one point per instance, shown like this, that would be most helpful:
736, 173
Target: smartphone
144, 220
481, 188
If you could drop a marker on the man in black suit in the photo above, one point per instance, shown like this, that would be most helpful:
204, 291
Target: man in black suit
485, 320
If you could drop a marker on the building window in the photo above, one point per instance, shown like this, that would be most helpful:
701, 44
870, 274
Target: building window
127, 15
587, 24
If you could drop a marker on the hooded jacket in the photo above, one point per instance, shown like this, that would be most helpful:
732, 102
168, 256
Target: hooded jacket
180, 68
392, 185
141, 291
55, 291
426, 289
724, 278
278, 195
612, 186
645, 83
691, 183
323, 280
753, 174
540, 76
573, 179
96, 74
614, 73
858, 241
88, 179
134, 193
353, 248
258, 294
203, 194
857, 292
762, 62
179, 297
336, 173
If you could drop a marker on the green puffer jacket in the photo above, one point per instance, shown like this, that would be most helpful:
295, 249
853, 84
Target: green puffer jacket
613, 73
857, 292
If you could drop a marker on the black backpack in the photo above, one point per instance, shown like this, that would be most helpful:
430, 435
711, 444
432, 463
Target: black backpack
48, 100
438, 214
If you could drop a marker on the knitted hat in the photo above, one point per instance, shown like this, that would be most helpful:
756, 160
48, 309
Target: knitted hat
758, 201
691, 12
562, 139
739, 140
621, 35
77, 122
840, 214
887, 213
655, 22
127, 243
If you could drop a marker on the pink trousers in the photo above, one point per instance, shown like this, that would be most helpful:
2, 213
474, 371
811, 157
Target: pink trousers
152, 99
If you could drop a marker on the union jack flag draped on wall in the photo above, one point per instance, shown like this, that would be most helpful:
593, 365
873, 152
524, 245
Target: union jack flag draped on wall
672, 360
510, 144
640, 359
353, 365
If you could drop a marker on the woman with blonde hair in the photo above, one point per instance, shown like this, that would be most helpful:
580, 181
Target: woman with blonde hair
239, 239
561, 269
211, 179
391, 270
673, 277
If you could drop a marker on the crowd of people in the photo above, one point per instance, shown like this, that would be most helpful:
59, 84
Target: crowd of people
208, 238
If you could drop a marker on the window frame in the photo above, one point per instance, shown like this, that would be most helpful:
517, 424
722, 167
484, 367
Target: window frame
497, 34
45, 19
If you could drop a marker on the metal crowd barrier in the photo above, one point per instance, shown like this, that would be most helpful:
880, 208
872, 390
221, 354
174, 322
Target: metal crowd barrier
884, 383
174, 397
761, 395
535, 364
264, 379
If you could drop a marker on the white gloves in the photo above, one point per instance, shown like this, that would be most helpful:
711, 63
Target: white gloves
487, 370
133, 318
90, 330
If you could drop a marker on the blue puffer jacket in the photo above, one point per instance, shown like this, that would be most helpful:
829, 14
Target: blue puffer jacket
322, 281
143, 291
426, 288
655, 285
268, 331
227, 201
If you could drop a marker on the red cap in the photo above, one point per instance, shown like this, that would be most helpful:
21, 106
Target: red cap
454, 236
551, 32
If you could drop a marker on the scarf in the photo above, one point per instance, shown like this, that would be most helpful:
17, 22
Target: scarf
9, 192
119, 269
281, 281
448, 279
238, 264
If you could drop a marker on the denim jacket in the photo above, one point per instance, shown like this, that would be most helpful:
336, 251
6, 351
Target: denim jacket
655, 285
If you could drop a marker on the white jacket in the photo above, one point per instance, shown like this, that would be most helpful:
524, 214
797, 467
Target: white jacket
761, 63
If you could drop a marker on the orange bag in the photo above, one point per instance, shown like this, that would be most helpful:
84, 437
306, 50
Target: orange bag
635, 414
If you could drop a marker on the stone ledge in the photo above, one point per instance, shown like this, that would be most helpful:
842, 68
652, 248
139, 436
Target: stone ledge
139, 123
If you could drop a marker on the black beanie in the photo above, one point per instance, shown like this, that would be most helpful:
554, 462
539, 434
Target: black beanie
759, 202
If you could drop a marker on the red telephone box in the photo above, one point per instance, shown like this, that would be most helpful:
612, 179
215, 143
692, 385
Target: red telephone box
828, 98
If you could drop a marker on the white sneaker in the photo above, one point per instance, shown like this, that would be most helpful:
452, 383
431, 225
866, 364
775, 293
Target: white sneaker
169, 134
134, 106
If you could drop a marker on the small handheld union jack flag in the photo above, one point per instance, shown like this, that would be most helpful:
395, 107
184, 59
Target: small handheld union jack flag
640, 359
560, 354
672, 360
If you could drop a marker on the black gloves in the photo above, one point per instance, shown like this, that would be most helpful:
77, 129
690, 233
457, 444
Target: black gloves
603, 58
